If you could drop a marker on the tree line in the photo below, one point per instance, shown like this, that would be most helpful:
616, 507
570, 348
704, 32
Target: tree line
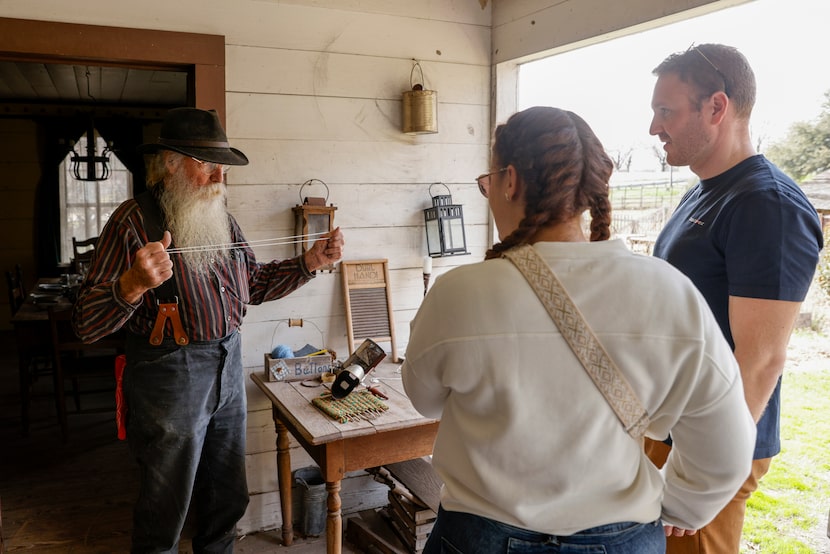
805, 150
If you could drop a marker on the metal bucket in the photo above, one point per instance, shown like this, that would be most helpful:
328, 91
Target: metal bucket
420, 111
314, 500
420, 107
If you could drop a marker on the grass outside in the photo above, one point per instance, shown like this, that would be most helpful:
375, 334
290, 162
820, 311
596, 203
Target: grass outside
788, 513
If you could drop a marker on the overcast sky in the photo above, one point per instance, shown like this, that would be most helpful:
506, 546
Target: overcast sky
610, 84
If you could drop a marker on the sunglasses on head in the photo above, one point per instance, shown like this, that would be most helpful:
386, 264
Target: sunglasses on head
712, 65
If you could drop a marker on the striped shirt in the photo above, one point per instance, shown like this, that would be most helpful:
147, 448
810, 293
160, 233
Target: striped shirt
211, 304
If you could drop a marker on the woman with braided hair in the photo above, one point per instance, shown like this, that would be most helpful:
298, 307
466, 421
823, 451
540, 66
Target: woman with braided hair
535, 455
567, 168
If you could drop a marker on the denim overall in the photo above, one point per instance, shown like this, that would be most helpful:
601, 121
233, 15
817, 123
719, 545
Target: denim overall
186, 429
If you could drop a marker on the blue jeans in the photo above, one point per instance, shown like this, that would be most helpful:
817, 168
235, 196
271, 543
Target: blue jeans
463, 533
186, 412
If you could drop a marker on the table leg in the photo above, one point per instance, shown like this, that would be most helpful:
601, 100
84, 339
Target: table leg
284, 479
25, 389
334, 521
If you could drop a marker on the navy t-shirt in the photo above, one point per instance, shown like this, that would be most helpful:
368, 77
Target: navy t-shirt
749, 232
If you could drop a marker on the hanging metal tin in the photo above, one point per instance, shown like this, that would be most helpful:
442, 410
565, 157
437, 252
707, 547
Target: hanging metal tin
420, 107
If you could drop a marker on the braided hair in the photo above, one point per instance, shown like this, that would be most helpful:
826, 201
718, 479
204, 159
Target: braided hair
564, 168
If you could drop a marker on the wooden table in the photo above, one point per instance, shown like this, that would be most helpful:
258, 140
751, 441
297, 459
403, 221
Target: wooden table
33, 311
397, 435
34, 339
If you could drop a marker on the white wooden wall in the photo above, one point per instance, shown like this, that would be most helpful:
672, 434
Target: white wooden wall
318, 95
314, 91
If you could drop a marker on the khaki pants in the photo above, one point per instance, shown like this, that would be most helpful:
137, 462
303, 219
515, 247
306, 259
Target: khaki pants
723, 534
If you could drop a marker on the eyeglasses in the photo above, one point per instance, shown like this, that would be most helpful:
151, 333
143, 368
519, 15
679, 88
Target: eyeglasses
718, 71
208, 168
483, 181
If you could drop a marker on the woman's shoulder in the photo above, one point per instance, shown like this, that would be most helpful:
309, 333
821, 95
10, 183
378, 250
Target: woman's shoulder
473, 275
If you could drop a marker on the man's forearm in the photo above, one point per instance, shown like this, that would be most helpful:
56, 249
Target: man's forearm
129, 288
760, 378
761, 331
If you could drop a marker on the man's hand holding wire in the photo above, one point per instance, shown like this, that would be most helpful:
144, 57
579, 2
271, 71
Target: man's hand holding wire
152, 266
325, 251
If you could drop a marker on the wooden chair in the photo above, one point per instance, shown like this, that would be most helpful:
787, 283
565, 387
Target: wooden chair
34, 361
82, 251
75, 360
17, 290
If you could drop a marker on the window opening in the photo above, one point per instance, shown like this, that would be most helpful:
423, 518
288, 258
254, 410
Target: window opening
86, 206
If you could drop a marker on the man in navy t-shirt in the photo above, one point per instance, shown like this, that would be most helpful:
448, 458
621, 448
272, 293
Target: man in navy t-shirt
748, 238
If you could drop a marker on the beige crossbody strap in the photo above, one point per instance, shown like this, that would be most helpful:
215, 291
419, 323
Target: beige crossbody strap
602, 369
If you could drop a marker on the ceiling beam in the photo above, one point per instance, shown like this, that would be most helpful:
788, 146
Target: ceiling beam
35, 110
201, 55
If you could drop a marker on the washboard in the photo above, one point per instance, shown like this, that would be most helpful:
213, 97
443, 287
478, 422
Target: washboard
368, 300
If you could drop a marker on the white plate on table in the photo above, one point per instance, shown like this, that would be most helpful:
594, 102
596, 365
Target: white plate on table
38, 298
57, 287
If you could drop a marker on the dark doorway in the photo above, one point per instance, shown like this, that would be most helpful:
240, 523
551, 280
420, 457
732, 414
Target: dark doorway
55, 78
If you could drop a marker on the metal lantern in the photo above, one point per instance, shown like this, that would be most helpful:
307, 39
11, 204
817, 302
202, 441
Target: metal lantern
311, 218
92, 161
445, 226
420, 107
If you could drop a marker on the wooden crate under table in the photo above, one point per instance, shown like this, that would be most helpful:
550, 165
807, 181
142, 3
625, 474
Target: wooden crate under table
411, 522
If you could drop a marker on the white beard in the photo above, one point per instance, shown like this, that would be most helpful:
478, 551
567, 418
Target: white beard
197, 217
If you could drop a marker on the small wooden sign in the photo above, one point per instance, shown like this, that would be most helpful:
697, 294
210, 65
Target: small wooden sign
296, 369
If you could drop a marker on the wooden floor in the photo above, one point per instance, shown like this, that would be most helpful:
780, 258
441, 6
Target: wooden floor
76, 497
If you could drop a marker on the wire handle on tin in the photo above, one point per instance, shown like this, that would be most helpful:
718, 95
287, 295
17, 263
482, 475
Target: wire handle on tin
297, 322
419, 86
311, 182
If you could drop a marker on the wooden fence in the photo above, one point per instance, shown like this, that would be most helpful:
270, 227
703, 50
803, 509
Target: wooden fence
642, 209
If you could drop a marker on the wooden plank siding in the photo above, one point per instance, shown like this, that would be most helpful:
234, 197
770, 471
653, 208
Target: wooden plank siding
530, 29
316, 94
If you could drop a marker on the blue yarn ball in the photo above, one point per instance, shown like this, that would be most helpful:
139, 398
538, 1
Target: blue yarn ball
282, 351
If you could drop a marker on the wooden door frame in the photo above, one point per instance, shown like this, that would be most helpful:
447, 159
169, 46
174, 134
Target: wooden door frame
201, 55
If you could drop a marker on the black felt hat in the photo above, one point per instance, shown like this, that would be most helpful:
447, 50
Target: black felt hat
197, 133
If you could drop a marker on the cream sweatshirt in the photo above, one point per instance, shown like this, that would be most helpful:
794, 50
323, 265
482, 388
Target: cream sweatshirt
525, 436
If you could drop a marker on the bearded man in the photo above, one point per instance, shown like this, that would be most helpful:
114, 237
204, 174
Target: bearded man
173, 269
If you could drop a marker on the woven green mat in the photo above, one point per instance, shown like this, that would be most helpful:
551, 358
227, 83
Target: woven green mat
356, 406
